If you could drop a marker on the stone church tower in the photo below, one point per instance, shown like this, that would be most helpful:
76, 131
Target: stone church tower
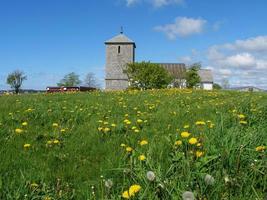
120, 51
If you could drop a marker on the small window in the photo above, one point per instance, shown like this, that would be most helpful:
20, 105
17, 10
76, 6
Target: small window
119, 49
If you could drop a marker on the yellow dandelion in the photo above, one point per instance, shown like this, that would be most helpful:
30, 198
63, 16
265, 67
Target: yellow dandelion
260, 148
178, 142
142, 157
129, 149
34, 185
143, 142
18, 130
55, 124
106, 129
126, 195
134, 189
200, 123
123, 145
139, 121
243, 122
185, 134
49, 142
199, 154
56, 141
26, 146
136, 131
100, 128
24, 123
113, 125
192, 140
186, 126
241, 116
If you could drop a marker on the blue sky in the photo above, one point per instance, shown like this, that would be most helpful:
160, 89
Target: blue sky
47, 39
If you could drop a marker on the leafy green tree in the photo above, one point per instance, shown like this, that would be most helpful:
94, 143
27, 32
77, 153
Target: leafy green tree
217, 86
70, 80
146, 75
15, 80
192, 77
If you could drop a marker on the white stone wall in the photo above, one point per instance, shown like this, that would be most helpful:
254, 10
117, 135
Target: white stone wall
207, 86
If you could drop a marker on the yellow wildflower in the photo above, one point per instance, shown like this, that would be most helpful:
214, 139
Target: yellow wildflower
34, 185
56, 141
113, 125
63, 130
24, 124
100, 128
199, 154
55, 124
134, 189
260, 148
243, 122
123, 145
185, 134
26, 146
18, 130
143, 142
136, 131
139, 121
241, 116
106, 129
186, 126
178, 142
126, 195
142, 157
129, 149
200, 123
192, 140
49, 142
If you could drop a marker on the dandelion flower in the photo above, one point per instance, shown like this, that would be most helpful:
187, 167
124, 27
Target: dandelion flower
134, 189
243, 122
55, 124
260, 148
185, 134
186, 126
188, 195
150, 176
18, 130
200, 123
139, 121
178, 142
199, 154
56, 141
113, 125
192, 140
126, 195
24, 123
209, 180
26, 146
241, 116
129, 149
143, 142
108, 183
142, 157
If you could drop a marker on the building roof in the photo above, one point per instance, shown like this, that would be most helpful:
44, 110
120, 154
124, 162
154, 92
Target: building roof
178, 70
205, 75
120, 39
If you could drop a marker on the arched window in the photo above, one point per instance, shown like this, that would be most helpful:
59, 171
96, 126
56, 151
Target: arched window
119, 49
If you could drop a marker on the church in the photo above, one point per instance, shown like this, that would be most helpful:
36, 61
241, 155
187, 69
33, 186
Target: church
120, 50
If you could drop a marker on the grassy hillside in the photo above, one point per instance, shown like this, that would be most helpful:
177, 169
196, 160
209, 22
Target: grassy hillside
141, 145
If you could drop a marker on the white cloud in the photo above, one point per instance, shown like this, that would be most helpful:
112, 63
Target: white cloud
241, 60
155, 3
182, 27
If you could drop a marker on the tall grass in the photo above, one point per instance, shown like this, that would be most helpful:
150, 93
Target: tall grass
76, 145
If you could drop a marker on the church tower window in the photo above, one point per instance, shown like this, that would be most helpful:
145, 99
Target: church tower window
119, 49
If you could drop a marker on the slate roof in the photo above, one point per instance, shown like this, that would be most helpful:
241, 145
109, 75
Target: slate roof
120, 39
205, 75
178, 70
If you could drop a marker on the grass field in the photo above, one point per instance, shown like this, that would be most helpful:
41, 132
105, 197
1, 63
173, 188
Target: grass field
138, 145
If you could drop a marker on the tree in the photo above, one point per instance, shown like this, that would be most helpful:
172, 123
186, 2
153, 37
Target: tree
225, 84
146, 75
15, 80
91, 81
192, 77
216, 86
70, 80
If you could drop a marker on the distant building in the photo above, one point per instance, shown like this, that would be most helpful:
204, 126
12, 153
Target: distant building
206, 79
69, 89
247, 89
120, 50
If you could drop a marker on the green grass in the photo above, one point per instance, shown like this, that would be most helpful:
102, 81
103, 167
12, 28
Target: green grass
89, 151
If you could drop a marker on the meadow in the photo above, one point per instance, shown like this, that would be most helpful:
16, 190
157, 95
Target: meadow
158, 144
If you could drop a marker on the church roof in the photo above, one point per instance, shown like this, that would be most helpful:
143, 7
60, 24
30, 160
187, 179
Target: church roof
120, 39
205, 75
177, 70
